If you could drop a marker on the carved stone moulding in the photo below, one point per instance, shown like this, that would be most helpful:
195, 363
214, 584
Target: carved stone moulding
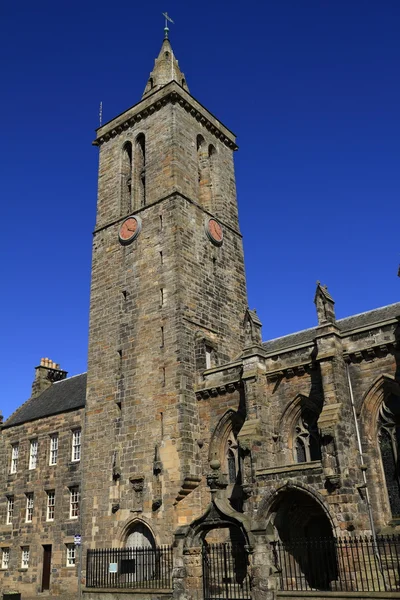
289, 372
218, 390
378, 351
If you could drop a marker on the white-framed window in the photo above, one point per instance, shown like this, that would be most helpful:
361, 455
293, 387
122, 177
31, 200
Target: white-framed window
33, 452
29, 507
53, 448
76, 445
14, 458
71, 555
74, 502
10, 510
24, 557
5, 558
51, 500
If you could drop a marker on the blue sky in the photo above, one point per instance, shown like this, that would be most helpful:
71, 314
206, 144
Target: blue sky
310, 87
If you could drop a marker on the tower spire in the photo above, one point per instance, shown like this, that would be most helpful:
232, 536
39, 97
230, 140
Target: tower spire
166, 67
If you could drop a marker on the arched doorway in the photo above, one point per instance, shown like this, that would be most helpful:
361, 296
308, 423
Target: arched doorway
140, 560
225, 564
306, 549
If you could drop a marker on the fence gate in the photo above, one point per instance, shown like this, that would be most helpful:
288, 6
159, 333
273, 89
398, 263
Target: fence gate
225, 572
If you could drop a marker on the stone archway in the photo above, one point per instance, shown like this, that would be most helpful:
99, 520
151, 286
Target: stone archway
140, 562
306, 544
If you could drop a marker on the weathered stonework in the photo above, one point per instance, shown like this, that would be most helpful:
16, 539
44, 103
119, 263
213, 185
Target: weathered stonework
193, 429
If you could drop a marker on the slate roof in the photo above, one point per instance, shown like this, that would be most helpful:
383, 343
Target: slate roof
347, 324
62, 396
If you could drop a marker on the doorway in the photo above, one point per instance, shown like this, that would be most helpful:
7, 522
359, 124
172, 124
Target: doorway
46, 567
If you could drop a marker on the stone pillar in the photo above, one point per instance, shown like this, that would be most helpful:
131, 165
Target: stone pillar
262, 569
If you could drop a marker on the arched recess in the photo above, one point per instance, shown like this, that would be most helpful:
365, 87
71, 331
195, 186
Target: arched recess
126, 178
380, 431
224, 445
140, 562
139, 167
298, 430
204, 174
299, 517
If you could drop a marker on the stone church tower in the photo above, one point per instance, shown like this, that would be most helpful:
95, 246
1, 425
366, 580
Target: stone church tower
168, 300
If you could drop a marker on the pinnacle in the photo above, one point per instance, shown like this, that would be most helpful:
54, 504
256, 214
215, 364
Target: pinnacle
166, 69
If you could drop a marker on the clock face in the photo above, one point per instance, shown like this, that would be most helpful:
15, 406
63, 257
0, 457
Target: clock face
130, 229
215, 232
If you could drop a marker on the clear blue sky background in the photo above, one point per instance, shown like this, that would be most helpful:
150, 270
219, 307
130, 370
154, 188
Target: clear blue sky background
312, 89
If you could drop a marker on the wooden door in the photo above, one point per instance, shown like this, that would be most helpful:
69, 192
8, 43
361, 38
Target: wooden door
46, 568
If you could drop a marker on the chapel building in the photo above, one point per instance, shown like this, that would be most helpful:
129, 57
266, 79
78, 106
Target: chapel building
188, 433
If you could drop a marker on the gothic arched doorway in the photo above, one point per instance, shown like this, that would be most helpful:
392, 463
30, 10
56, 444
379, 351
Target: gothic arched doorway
139, 563
225, 564
306, 546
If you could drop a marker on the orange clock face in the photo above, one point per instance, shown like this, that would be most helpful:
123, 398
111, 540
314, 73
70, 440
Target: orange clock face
129, 229
215, 232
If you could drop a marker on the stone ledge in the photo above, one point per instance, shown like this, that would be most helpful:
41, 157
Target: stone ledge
315, 464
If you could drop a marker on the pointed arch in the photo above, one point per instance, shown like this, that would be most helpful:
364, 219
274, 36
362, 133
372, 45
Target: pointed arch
380, 430
126, 178
299, 430
224, 444
382, 387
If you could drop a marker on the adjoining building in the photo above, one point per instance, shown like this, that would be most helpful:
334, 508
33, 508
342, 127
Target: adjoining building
194, 457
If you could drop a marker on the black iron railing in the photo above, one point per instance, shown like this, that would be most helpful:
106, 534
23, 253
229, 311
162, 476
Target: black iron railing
225, 572
130, 568
339, 564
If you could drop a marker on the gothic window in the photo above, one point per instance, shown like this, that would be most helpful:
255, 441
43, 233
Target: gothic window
126, 179
389, 440
232, 462
307, 444
203, 170
140, 171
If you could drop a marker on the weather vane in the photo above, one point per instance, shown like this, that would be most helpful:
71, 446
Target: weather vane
166, 28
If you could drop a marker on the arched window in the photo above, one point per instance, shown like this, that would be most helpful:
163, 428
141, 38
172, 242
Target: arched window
140, 171
389, 441
232, 459
307, 443
126, 179
203, 170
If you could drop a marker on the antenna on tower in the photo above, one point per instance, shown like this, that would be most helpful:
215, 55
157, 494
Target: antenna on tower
101, 113
166, 28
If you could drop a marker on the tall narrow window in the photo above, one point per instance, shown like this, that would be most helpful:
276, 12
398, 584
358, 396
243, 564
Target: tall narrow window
10, 510
307, 444
33, 452
29, 508
51, 501
14, 458
71, 555
5, 558
76, 445
232, 459
140, 170
203, 171
389, 442
74, 502
53, 448
24, 557
126, 179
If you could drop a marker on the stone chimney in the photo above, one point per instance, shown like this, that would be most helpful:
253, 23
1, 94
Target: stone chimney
47, 372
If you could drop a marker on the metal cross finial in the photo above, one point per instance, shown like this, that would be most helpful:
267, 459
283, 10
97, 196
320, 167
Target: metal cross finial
166, 28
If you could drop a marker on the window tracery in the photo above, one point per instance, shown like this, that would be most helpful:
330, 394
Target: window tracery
389, 440
307, 442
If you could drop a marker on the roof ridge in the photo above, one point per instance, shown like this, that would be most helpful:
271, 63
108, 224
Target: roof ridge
69, 378
365, 312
